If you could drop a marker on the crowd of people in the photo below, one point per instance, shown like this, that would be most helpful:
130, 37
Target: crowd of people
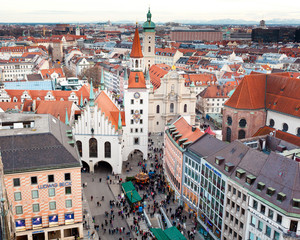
132, 213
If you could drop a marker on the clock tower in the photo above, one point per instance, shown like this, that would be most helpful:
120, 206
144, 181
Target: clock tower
136, 95
149, 41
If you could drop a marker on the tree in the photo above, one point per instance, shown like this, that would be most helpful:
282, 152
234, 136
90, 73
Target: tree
92, 73
68, 72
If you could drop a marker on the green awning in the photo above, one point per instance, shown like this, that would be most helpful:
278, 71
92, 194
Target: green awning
174, 234
130, 192
159, 234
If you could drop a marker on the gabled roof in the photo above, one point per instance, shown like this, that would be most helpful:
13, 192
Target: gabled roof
108, 107
136, 51
46, 73
157, 71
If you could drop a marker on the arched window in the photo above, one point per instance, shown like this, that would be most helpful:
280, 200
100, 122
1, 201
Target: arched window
228, 134
272, 123
157, 109
93, 147
242, 123
149, 49
171, 107
107, 149
79, 147
185, 108
242, 134
285, 127
229, 120
136, 63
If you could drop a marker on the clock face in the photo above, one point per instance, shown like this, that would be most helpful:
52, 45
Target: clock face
136, 95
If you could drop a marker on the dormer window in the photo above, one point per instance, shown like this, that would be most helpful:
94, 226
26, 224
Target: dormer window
281, 197
260, 186
219, 160
296, 203
136, 78
270, 191
250, 179
239, 173
228, 167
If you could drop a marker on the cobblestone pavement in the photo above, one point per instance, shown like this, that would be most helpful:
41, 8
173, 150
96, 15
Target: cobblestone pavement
111, 191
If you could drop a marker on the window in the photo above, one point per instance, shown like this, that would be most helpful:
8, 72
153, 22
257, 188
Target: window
51, 192
228, 134
229, 120
131, 121
281, 196
141, 111
107, 148
260, 225
36, 207
93, 146
67, 176
279, 219
132, 111
149, 49
253, 221
241, 225
68, 190
16, 182
260, 186
270, 191
276, 235
136, 141
270, 214
17, 196
171, 107
243, 211
234, 191
68, 203
272, 123
268, 231
19, 210
242, 123
229, 188
34, 180
34, 194
298, 132
136, 130
262, 209
79, 147
141, 121
132, 101
242, 134
285, 127
157, 109
141, 101
239, 194
52, 205
50, 178
255, 204
185, 108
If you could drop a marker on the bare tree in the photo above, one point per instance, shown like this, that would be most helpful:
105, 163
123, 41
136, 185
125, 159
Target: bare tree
92, 73
68, 72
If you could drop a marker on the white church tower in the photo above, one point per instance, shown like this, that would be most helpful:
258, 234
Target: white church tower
149, 41
136, 98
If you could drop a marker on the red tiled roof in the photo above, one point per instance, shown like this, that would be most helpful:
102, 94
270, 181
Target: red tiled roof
185, 129
136, 51
156, 72
136, 80
44, 72
279, 134
55, 108
202, 78
216, 91
10, 105
276, 92
109, 109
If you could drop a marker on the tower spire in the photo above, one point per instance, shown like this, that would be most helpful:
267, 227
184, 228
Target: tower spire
92, 97
102, 80
67, 118
81, 100
120, 121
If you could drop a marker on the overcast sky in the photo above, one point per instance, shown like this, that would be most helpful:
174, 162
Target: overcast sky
135, 10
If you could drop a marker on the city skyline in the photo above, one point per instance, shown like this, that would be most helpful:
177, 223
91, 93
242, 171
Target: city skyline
133, 10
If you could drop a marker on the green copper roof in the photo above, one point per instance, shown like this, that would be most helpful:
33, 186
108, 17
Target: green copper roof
149, 26
92, 97
102, 80
81, 100
67, 118
120, 121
